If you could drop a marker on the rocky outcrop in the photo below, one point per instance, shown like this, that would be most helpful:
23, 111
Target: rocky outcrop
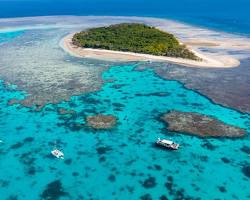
101, 121
200, 125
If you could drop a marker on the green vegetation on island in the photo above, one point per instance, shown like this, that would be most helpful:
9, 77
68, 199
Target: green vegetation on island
133, 37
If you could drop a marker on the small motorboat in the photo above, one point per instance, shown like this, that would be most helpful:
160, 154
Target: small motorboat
57, 153
168, 144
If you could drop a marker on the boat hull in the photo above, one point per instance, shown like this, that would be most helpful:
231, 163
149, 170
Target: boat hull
169, 147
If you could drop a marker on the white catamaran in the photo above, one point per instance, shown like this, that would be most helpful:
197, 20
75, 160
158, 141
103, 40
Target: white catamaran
57, 153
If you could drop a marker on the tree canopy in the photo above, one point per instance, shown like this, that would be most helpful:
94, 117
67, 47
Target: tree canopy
133, 37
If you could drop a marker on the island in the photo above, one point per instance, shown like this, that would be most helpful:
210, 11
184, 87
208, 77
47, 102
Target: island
101, 121
133, 37
200, 125
140, 42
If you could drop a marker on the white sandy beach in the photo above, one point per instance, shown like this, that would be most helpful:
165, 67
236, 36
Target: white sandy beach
208, 61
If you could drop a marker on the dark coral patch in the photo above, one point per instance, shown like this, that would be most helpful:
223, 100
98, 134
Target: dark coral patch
179, 194
31, 171
130, 162
53, 191
72, 126
12, 197
209, 146
204, 158
157, 94
118, 105
4, 183
245, 149
28, 139
17, 145
75, 126
163, 197
75, 174
93, 110
103, 150
140, 130
170, 179
18, 128
169, 186
118, 109
27, 159
111, 178
72, 105
157, 167
246, 171
81, 153
130, 189
181, 95
196, 104
146, 197
222, 189
149, 183
68, 161
118, 86
225, 160
90, 100
102, 159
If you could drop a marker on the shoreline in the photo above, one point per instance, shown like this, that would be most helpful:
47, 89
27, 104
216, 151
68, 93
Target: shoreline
208, 61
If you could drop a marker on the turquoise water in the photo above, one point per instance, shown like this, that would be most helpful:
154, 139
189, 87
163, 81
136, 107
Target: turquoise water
8, 36
121, 163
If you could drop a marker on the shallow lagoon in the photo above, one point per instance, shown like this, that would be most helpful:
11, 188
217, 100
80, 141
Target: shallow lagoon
122, 163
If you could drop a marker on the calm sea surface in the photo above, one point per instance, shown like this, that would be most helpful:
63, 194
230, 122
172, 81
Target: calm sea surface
121, 163
227, 15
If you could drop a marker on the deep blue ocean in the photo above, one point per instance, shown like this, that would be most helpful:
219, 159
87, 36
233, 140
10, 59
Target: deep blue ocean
226, 15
